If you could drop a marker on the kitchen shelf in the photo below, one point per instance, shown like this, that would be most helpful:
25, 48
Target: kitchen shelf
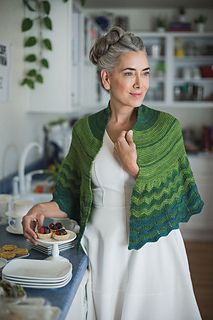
194, 58
207, 80
198, 50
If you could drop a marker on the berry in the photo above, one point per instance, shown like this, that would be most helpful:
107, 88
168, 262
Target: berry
58, 225
51, 225
47, 229
43, 230
60, 232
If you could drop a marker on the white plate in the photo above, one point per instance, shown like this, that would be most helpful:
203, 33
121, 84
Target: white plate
19, 280
43, 285
37, 269
30, 280
10, 230
72, 236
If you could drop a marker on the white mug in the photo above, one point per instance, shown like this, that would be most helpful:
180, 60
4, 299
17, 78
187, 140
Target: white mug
21, 207
15, 224
5, 205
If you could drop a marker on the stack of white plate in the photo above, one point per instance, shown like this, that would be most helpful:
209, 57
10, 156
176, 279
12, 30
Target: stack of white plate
47, 248
32, 273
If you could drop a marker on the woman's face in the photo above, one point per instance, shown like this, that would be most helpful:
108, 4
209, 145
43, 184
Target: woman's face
129, 80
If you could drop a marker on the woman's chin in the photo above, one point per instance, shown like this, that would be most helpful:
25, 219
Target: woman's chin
137, 104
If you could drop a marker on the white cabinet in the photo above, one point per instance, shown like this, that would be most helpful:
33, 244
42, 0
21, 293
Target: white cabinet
90, 94
78, 308
181, 69
71, 81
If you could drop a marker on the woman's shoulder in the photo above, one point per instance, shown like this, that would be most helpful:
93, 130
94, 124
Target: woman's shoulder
149, 119
159, 113
80, 124
83, 121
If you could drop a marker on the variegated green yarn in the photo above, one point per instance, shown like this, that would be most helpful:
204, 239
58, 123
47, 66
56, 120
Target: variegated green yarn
164, 193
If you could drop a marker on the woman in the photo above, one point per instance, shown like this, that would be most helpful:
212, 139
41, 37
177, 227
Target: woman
127, 181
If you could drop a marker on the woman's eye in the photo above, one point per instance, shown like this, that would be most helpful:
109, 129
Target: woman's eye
146, 74
128, 74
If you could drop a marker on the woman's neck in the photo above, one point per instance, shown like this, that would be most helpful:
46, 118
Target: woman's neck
122, 116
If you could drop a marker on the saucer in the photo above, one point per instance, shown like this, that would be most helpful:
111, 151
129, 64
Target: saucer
3, 263
10, 230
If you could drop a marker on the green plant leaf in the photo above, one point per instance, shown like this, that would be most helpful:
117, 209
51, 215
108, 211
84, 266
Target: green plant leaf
46, 6
45, 63
39, 78
26, 3
32, 73
48, 44
31, 41
47, 22
28, 82
27, 24
30, 58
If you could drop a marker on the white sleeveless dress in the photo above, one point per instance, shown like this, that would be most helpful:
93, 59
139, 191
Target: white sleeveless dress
152, 283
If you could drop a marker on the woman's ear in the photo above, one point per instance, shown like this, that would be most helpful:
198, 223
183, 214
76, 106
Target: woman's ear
105, 79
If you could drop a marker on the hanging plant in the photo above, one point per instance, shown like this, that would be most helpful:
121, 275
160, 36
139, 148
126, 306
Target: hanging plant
36, 23
35, 41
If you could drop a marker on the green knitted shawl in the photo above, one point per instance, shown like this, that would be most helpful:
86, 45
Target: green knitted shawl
164, 193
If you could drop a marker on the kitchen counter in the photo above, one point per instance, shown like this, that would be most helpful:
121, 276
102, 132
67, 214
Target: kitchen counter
62, 297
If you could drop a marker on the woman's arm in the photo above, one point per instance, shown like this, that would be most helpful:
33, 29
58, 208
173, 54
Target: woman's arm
36, 215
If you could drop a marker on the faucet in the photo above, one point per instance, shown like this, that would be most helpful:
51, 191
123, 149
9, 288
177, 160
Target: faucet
22, 162
29, 177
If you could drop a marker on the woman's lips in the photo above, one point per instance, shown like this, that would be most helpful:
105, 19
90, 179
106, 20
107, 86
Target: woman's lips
136, 94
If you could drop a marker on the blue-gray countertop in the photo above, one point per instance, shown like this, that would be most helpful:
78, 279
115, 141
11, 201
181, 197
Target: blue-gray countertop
61, 297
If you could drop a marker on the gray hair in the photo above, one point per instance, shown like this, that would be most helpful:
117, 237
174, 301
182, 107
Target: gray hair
108, 48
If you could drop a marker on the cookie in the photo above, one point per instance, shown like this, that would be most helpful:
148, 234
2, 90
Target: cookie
21, 252
9, 247
7, 255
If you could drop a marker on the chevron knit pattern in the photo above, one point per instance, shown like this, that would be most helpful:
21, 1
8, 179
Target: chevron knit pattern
164, 193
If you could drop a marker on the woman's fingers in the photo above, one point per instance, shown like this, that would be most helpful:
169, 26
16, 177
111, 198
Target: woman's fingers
29, 225
121, 137
40, 221
129, 137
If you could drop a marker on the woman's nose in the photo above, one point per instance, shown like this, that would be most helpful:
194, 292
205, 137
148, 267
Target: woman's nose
138, 82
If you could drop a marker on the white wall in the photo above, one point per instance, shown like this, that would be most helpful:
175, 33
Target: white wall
17, 126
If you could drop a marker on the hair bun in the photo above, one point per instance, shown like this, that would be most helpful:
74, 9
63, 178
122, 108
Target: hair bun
114, 35
103, 44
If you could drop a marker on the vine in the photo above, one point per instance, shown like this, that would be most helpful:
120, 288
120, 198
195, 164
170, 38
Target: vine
37, 21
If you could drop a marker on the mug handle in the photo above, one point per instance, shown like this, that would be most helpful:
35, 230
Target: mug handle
12, 222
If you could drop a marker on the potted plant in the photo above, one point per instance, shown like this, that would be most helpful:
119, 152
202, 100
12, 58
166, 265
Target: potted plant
161, 24
182, 14
200, 23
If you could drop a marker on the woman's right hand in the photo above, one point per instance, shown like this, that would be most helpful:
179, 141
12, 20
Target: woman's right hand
34, 217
